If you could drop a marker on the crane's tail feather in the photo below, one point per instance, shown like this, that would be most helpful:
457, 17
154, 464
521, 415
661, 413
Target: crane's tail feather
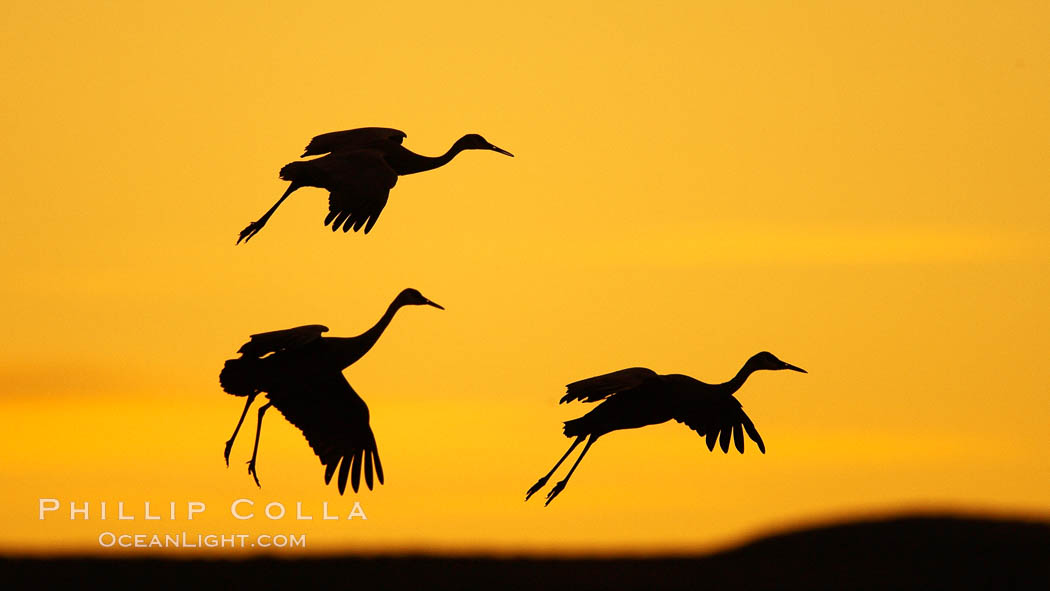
240, 376
576, 427
295, 170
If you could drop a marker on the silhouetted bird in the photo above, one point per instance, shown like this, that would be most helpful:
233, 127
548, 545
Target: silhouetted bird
301, 373
360, 168
637, 397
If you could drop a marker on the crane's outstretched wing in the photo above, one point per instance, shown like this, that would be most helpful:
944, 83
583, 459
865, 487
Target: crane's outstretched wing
600, 387
360, 185
720, 419
265, 343
352, 139
334, 420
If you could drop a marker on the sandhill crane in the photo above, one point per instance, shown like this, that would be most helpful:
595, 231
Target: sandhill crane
359, 169
637, 397
301, 373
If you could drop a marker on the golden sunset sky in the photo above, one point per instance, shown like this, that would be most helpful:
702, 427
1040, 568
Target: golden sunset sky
860, 188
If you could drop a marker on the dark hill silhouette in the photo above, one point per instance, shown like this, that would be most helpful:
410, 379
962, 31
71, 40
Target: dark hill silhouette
918, 552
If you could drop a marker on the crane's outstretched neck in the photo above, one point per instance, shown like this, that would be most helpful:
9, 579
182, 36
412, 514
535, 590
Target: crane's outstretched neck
412, 163
738, 380
349, 350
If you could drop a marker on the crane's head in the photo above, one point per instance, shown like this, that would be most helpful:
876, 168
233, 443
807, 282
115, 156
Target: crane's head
412, 297
473, 141
767, 360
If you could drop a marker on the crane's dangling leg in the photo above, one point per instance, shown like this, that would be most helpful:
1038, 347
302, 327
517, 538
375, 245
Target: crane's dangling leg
229, 444
254, 227
561, 485
542, 481
255, 450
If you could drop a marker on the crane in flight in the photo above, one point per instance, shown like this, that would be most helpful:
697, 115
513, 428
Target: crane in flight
301, 373
638, 396
359, 167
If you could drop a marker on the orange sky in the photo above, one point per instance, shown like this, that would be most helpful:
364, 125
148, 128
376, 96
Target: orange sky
861, 190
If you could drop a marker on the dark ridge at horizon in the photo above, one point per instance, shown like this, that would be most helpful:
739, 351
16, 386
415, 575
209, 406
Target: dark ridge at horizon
909, 552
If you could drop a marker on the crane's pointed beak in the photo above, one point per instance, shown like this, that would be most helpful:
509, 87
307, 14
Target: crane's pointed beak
793, 368
500, 150
435, 304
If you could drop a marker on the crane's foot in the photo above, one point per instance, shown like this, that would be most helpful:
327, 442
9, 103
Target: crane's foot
555, 491
536, 487
252, 229
226, 453
251, 470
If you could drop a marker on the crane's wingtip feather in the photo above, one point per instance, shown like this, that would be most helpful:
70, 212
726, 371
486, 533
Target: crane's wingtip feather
355, 477
329, 470
368, 468
344, 472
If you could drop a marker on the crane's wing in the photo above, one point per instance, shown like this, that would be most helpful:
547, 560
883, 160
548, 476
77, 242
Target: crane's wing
719, 419
360, 185
601, 387
334, 420
352, 139
265, 343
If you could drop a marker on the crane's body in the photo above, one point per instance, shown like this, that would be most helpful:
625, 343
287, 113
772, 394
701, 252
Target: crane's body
359, 168
637, 397
636, 408
300, 373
